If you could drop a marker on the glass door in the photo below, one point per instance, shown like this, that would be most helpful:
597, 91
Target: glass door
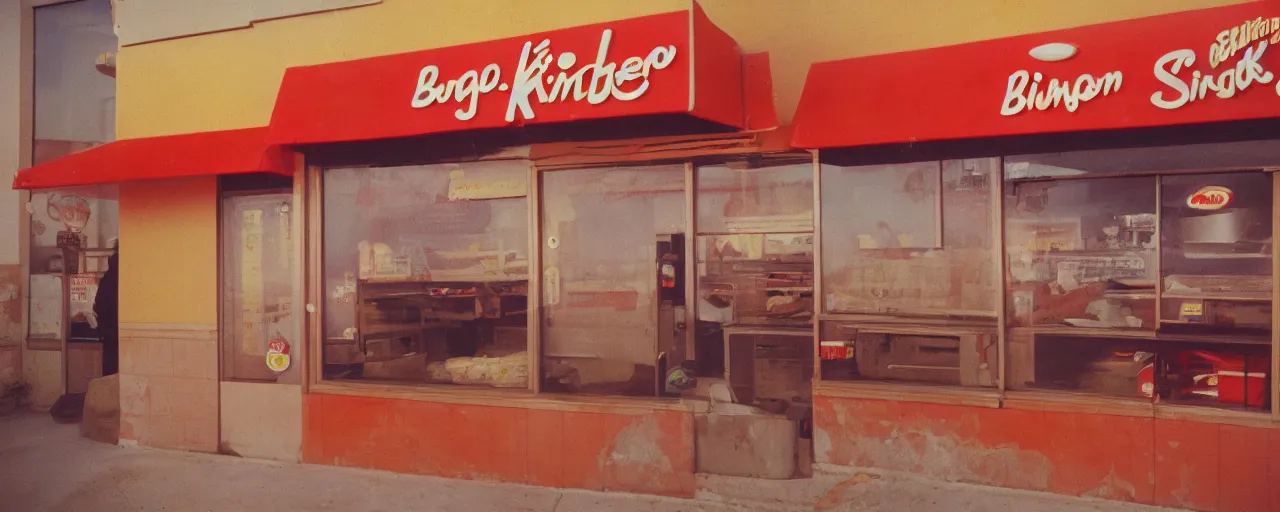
259, 334
613, 276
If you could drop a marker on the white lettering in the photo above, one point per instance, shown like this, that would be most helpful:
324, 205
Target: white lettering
1227, 84
1014, 101
1232, 41
528, 80
1166, 71
467, 88
595, 82
601, 74
1024, 93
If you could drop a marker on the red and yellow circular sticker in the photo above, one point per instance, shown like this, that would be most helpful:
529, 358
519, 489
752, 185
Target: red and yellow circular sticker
278, 354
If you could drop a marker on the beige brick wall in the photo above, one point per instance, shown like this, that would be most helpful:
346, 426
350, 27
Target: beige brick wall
169, 386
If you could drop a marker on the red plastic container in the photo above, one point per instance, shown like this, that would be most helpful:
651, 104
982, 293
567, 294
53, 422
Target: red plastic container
835, 350
1234, 386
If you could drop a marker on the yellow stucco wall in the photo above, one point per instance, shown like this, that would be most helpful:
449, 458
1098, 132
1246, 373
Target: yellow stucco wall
229, 80
169, 252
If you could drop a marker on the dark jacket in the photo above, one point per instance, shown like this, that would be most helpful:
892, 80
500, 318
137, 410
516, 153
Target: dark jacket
106, 305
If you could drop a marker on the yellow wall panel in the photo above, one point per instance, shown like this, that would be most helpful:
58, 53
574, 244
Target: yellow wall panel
169, 252
229, 79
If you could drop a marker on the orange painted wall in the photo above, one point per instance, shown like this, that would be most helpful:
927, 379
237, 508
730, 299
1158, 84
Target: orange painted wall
169, 252
1199, 466
648, 453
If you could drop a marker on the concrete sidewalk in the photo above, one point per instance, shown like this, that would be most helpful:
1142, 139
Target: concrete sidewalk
48, 467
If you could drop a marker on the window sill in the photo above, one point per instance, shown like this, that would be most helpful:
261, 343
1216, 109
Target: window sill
1051, 401
496, 397
1138, 408
906, 392
44, 344
1258, 419
970, 320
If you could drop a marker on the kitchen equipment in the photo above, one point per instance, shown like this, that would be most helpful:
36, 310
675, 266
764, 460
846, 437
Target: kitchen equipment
835, 350
1223, 227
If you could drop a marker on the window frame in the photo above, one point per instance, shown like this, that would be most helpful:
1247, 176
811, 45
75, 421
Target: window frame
1070, 401
313, 188
225, 366
1000, 397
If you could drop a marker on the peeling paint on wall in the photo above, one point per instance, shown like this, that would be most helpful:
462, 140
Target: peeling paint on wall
1183, 464
931, 447
636, 455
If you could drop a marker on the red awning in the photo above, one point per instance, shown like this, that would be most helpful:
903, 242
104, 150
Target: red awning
1128, 74
672, 63
196, 154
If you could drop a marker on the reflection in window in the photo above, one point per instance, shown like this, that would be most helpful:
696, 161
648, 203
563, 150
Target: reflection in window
909, 238
755, 269
426, 273
613, 278
1216, 250
258, 283
74, 110
755, 244
1082, 253
917, 240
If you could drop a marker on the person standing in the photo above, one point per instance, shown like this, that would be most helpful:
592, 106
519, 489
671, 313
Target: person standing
106, 306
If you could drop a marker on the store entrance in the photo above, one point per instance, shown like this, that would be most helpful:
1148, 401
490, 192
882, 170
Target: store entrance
613, 267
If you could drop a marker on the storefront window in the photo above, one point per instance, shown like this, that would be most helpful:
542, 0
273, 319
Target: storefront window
1216, 252
70, 230
1082, 253
613, 278
1154, 287
426, 274
911, 241
910, 238
754, 262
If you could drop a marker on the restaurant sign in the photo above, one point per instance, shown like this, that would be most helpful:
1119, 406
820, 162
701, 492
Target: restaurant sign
1181, 82
1210, 198
595, 82
634, 67
1183, 68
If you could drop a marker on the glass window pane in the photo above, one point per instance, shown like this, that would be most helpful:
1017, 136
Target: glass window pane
74, 110
1082, 253
1216, 250
613, 265
909, 238
426, 273
737, 198
258, 283
755, 244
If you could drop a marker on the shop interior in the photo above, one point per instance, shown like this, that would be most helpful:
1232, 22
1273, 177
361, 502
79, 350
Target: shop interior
72, 237
1143, 274
1118, 282
427, 274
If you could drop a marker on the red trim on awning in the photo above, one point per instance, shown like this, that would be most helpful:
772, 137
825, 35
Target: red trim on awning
757, 92
374, 98
175, 156
959, 92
